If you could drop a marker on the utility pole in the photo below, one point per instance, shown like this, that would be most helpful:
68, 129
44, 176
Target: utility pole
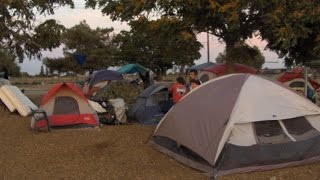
208, 48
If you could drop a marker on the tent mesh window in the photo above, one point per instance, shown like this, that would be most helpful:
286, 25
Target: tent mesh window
204, 78
300, 128
65, 105
161, 98
270, 132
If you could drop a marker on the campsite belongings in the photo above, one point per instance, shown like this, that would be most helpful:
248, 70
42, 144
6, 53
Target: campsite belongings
151, 105
14, 100
98, 80
110, 112
241, 123
220, 70
119, 89
295, 80
65, 105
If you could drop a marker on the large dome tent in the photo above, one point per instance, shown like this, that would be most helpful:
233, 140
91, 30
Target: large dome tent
240, 123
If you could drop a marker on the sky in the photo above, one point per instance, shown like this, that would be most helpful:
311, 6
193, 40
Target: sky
70, 17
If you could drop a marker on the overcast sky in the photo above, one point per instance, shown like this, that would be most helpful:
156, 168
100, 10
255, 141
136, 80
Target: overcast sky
70, 17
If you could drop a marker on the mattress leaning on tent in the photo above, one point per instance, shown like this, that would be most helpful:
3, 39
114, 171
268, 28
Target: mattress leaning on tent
14, 99
241, 123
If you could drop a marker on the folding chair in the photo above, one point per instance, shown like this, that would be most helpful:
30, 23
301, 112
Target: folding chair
39, 115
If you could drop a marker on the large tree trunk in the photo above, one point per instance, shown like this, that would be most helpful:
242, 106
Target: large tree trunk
230, 46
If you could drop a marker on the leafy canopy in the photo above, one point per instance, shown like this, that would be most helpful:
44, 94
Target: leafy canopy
94, 44
244, 54
8, 62
291, 28
156, 44
18, 32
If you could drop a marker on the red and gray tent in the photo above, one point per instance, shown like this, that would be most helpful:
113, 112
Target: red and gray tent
296, 80
220, 70
65, 105
241, 123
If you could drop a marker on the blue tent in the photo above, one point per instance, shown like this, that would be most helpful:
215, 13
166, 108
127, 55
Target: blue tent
103, 75
151, 105
202, 66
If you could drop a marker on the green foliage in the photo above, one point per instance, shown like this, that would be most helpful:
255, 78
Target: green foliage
244, 54
8, 61
95, 44
290, 27
18, 32
63, 65
120, 89
156, 44
292, 30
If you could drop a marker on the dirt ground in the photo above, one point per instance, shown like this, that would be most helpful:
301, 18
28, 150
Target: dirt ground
109, 152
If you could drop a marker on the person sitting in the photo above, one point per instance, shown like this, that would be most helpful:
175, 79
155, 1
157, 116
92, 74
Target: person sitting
178, 90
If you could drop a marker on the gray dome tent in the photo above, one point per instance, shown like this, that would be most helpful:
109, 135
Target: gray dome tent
240, 123
151, 105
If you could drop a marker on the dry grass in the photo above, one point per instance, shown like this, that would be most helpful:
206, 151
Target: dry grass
110, 152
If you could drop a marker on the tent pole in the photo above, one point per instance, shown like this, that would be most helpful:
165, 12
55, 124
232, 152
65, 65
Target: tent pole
208, 47
306, 82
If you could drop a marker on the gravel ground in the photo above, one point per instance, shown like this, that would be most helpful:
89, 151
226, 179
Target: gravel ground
109, 152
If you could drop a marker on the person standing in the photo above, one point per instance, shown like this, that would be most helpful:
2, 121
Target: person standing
178, 90
193, 77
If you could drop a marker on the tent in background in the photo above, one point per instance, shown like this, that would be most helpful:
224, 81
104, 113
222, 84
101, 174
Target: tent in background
143, 72
98, 80
202, 66
295, 79
65, 105
104, 75
133, 68
151, 105
240, 123
220, 70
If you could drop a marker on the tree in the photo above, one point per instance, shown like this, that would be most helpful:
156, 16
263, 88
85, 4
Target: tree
156, 44
18, 32
245, 54
8, 61
93, 44
233, 21
63, 65
292, 30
